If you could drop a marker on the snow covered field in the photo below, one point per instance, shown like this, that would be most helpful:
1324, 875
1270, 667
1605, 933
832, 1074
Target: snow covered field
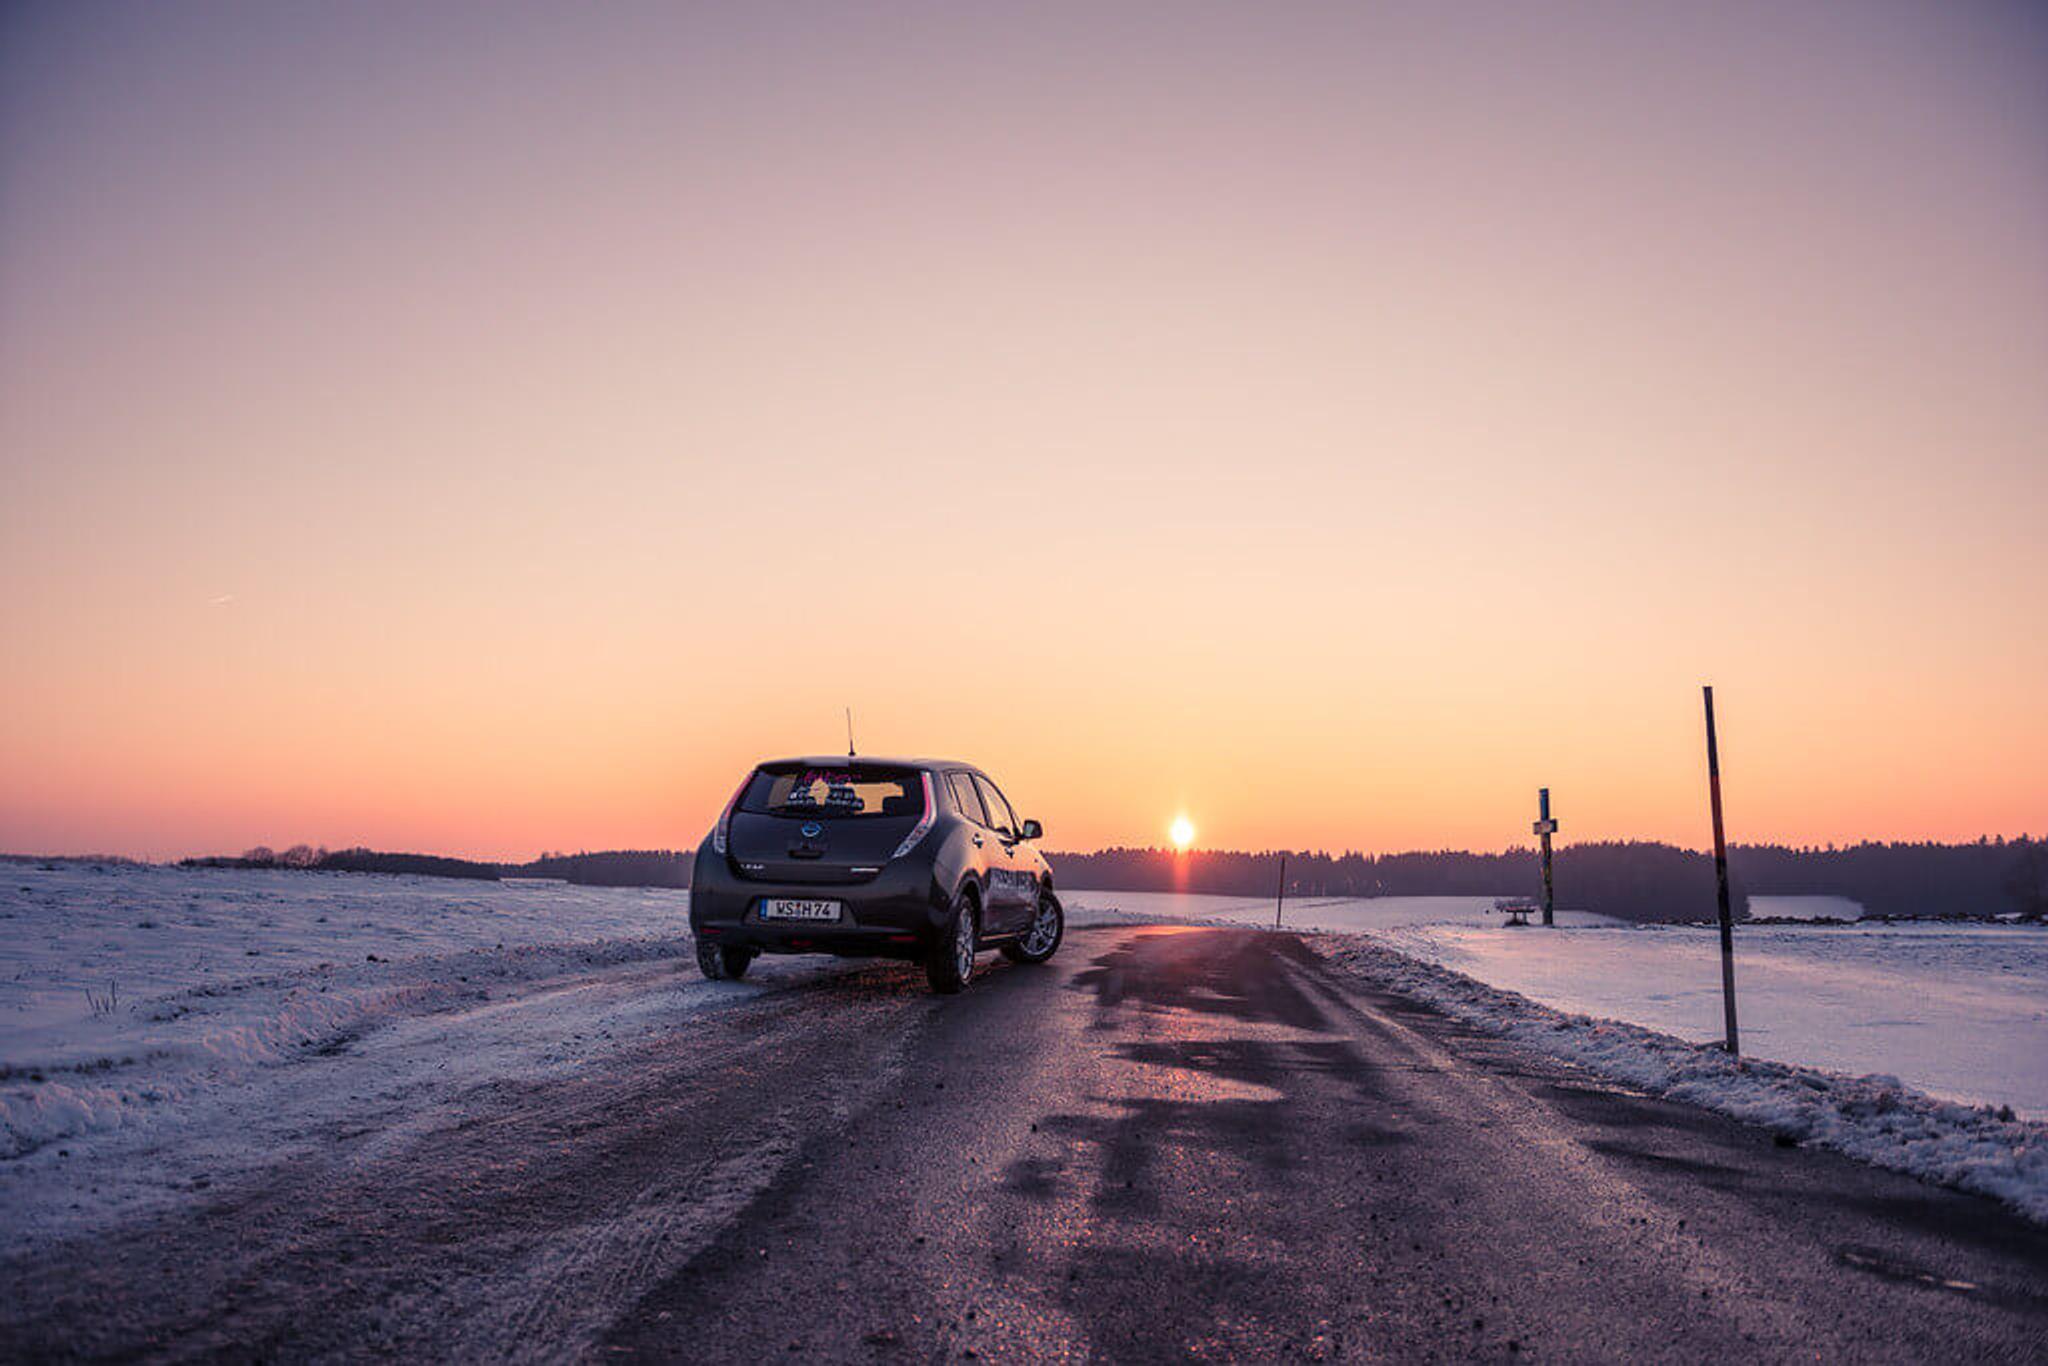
155, 1022
173, 944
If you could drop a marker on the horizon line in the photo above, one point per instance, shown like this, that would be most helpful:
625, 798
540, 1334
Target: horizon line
1992, 839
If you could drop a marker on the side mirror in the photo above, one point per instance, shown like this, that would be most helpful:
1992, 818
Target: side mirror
1033, 831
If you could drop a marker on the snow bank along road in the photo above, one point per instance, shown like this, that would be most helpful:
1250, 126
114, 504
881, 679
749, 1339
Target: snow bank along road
1168, 1141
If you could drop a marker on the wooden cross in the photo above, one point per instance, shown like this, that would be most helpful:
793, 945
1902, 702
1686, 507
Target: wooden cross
1545, 827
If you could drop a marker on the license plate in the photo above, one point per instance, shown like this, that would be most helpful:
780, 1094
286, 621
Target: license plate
782, 908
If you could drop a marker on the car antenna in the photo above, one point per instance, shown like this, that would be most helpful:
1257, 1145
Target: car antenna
849, 732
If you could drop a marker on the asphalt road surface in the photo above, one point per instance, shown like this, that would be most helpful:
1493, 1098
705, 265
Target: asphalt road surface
1167, 1143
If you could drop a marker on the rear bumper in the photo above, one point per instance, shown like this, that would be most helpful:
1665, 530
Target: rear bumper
895, 914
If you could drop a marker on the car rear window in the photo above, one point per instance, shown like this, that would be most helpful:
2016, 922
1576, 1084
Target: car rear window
849, 793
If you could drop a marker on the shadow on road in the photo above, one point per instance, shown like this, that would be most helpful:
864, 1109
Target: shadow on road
1228, 973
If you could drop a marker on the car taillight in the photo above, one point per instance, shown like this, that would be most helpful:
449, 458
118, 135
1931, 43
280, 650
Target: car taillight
723, 831
924, 822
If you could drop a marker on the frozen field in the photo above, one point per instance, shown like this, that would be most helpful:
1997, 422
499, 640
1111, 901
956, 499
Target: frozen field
168, 940
141, 1003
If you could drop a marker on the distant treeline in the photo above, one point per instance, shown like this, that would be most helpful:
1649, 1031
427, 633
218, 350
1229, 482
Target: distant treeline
1992, 876
421, 865
305, 856
608, 868
613, 868
1633, 880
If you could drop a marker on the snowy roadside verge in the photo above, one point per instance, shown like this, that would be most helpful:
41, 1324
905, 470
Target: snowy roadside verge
159, 1055
1875, 1119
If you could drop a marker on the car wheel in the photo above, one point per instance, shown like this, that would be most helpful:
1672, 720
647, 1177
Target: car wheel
722, 963
1042, 939
950, 962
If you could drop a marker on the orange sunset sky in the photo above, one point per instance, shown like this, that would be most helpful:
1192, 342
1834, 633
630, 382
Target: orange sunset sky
483, 429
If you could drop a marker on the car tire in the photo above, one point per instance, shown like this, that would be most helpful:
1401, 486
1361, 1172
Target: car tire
722, 963
1041, 939
949, 963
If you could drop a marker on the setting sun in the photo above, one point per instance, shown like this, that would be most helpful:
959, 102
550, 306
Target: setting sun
1182, 832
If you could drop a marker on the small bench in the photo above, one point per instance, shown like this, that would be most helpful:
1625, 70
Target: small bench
1516, 909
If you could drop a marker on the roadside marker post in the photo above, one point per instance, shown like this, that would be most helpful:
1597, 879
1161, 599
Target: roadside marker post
1721, 879
1545, 827
1280, 895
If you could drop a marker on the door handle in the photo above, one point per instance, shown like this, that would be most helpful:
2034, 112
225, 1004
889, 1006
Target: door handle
977, 841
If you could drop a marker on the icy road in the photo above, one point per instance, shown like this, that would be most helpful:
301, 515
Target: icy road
1168, 1142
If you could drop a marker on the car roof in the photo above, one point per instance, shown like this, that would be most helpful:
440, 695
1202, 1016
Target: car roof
885, 760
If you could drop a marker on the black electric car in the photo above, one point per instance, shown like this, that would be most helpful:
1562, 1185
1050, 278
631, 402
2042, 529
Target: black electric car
919, 859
